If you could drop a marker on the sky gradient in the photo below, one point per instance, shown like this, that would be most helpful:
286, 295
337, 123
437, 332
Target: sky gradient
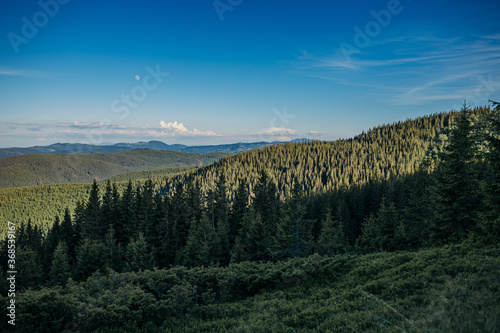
211, 72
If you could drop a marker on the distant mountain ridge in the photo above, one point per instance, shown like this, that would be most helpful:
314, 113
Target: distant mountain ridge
81, 148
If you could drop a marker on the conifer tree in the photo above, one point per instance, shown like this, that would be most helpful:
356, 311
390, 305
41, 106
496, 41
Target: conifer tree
456, 192
93, 225
294, 232
332, 239
124, 228
112, 254
379, 232
60, 269
238, 209
221, 211
89, 258
490, 222
28, 262
202, 246
67, 233
139, 256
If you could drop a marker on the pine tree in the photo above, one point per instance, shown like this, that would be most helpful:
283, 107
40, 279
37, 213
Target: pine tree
67, 233
379, 232
490, 222
332, 239
238, 209
124, 228
28, 262
254, 241
60, 269
89, 258
202, 246
49, 245
455, 193
221, 211
93, 225
112, 254
139, 256
294, 232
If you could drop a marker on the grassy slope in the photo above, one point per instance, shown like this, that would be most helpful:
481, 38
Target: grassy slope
29, 170
447, 289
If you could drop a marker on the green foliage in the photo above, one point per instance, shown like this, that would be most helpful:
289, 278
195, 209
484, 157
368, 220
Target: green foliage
456, 191
448, 289
60, 270
30, 170
139, 256
379, 233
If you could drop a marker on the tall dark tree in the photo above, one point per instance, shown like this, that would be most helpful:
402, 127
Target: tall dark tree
124, 228
333, 239
490, 222
93, 225
238, 209
456, 191
60, 269
139, 256
293, 236
221, 211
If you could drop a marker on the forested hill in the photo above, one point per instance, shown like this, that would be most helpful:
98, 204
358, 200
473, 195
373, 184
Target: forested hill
38, 169
379, 153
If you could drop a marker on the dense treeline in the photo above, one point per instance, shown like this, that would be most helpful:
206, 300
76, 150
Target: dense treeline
383, 152
449, 194
387, 150
43, 169
452, 197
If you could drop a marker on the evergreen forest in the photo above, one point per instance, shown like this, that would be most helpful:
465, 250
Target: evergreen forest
394, 230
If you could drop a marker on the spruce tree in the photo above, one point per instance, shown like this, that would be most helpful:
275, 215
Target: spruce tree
456, 191
60, 269
294, 232
332, 239
139, 256
490, 222
238, 209
93, 225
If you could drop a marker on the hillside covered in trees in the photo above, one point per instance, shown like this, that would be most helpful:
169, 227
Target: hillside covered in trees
306, 230
317, 166
38, 169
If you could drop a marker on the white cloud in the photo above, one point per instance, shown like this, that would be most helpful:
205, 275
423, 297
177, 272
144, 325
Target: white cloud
178, 129
274, 131
314, 133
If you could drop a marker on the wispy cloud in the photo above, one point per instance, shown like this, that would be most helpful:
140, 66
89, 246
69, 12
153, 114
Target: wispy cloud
20, 72
82, 130
314, 133
418, 69
274, 131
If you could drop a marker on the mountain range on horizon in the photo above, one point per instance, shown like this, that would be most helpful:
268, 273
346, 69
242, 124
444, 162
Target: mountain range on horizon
81, 148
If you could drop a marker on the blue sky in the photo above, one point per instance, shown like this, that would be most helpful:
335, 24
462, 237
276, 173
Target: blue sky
212, 72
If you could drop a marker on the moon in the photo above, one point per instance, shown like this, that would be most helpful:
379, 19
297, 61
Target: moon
137, 77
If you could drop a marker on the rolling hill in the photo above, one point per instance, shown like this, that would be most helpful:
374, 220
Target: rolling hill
380, 152
80, 148
38, 169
